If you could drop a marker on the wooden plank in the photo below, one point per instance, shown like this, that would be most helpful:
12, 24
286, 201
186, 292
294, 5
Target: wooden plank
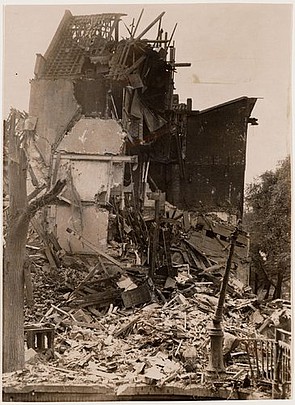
43, 235
83, 282
125, 327
29, 285
134, 66
56, 167
94, 248
50, 257
150, 26
113, 158
186, 221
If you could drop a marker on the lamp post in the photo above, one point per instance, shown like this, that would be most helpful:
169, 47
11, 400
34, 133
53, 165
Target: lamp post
216, 364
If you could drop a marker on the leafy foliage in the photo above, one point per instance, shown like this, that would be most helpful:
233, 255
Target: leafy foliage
268, 219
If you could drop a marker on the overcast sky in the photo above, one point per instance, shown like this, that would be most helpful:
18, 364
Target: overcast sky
235, 50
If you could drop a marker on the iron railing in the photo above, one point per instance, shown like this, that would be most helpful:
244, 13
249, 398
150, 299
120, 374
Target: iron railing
269, 360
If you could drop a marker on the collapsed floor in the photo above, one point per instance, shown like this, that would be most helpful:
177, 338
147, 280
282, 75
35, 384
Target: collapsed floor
118, 325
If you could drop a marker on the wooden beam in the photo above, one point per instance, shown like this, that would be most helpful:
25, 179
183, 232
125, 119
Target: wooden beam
114, 158
150, 26
94, 248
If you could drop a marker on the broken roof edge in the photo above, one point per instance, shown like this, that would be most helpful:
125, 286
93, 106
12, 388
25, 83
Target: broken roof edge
67, 16
251, 103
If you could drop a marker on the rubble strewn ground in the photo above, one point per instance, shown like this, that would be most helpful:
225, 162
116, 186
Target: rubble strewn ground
114, 326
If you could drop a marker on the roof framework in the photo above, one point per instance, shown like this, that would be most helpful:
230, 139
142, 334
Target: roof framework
76, 37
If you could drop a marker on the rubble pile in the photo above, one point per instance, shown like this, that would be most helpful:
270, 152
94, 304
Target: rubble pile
117, 324
154, 344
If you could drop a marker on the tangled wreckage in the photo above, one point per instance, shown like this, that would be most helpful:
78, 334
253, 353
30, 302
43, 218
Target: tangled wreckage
128, 260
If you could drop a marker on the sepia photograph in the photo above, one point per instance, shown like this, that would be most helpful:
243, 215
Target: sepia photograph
146, 215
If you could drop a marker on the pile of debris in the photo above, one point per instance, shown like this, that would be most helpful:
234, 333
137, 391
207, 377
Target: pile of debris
149, 254
116, 325
139, 311
154, 344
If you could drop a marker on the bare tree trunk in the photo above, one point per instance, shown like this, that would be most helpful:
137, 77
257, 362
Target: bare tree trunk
20, 214
13, 299
13, 286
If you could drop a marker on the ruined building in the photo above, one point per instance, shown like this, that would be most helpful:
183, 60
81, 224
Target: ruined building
106, 118
136, 251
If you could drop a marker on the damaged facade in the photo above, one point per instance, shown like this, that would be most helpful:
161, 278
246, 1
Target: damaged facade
142, 168
108, 120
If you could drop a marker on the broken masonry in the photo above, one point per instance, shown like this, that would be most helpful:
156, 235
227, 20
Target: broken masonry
106, 118
142, 169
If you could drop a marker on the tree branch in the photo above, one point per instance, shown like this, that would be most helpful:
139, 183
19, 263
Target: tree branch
45, 199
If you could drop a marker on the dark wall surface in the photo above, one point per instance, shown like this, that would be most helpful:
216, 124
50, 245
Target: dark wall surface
214, 149
216, 155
